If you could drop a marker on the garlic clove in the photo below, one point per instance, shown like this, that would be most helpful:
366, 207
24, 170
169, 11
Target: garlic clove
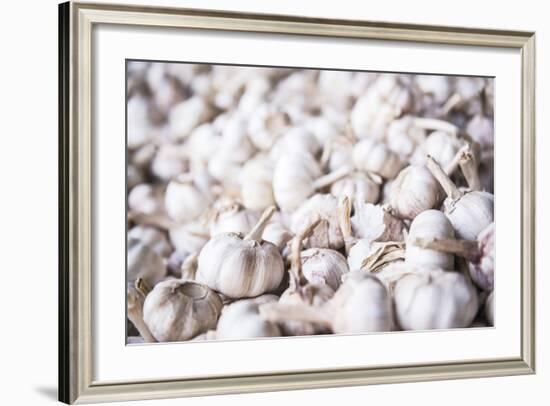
373, 156
187, 115
357, 186
241, 320
144, 262
184, 199
177, 310
324, 266
233, 219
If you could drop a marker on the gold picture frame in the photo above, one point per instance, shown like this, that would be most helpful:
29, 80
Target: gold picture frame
76, 21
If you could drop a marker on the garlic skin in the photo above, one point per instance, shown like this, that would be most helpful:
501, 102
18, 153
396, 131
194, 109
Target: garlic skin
266, 125
187, 115
241, 267
435, 300
372, 156
483, 271
375, 223
413, 191
357, 186
189, 238
184, 200
177, 310
242, 320
361, 305
470, 214
430, 224
324, 266
403, 136
481, 129
144, 262
358, 252
203, 142
145, 198
152, 237
490, 309
256, 179
169, 161
340, 152
296, 140
327, 234
139, 126
293, 179
277, 233
234, 219
441, 145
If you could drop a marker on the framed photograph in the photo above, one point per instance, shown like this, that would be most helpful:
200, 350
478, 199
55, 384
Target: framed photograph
263, 202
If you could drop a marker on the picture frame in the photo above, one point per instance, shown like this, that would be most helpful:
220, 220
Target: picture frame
76, 212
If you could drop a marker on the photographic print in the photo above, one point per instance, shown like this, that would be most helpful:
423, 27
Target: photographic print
280, 202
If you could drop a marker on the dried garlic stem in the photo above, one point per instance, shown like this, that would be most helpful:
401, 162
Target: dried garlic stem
451, 103
344, 212
446, 182
258, 229
435, 124
189, 267
142, 286
279, 312
451, 166
469, 169
463, 248
331, 177
142, 328
295, 270
327, 150
153, 220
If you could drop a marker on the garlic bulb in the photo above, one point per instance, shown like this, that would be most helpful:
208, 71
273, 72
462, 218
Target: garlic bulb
322, 128
375, 223
361, 305
328, 233
441, 145
233, 219
266, 125
169, 161
430, 224
145, 198
435, 300
276, 232
469, 212
414, 190
436, 87
490, 309
187, 115
403, 136
357, 186
256, 179
241, 267
358, 252
177, 310
337, 153
296, 140
185, 199
135, 299
372, 156
242, 320
152, 237
190, 237
324, 266
481, 129
145, 263
139, 126
203, 142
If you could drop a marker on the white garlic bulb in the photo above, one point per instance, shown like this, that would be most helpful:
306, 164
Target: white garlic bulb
276, 232
373, 156
187, 115
481, 129
435, 300
145, 263
469, 212
177, 310
169, 161
190, 237
436, 87
414, 190
337, 153
296, 140
430, 224
203, 142
146, 199
233, 219
328, 233
256, 179
241, 267
357, 186
266, 125
441, 145
403, 136
360, 250
490, 309
375, 223
324, 266
322, 128
361, 305
152, 237
139, 126
185, 199
242, 320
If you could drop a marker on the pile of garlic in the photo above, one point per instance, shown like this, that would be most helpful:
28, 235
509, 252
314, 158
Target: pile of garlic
267, 202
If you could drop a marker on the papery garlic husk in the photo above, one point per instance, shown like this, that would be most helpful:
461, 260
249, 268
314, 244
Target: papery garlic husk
241, 267
360, 250
186, 198
187, 115
328, 233
152, 237
382, 255
256, 180
413, 191
490, 309
361, 305
469, 212
241, 319
145, 198
430, 224
145, 263
357, 186
135, 300
324, 266
169, 161
176, 310
373, 156
233, 219
435, 300
375, 223
190, 237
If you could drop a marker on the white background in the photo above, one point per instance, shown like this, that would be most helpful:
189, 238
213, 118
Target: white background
28, 203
